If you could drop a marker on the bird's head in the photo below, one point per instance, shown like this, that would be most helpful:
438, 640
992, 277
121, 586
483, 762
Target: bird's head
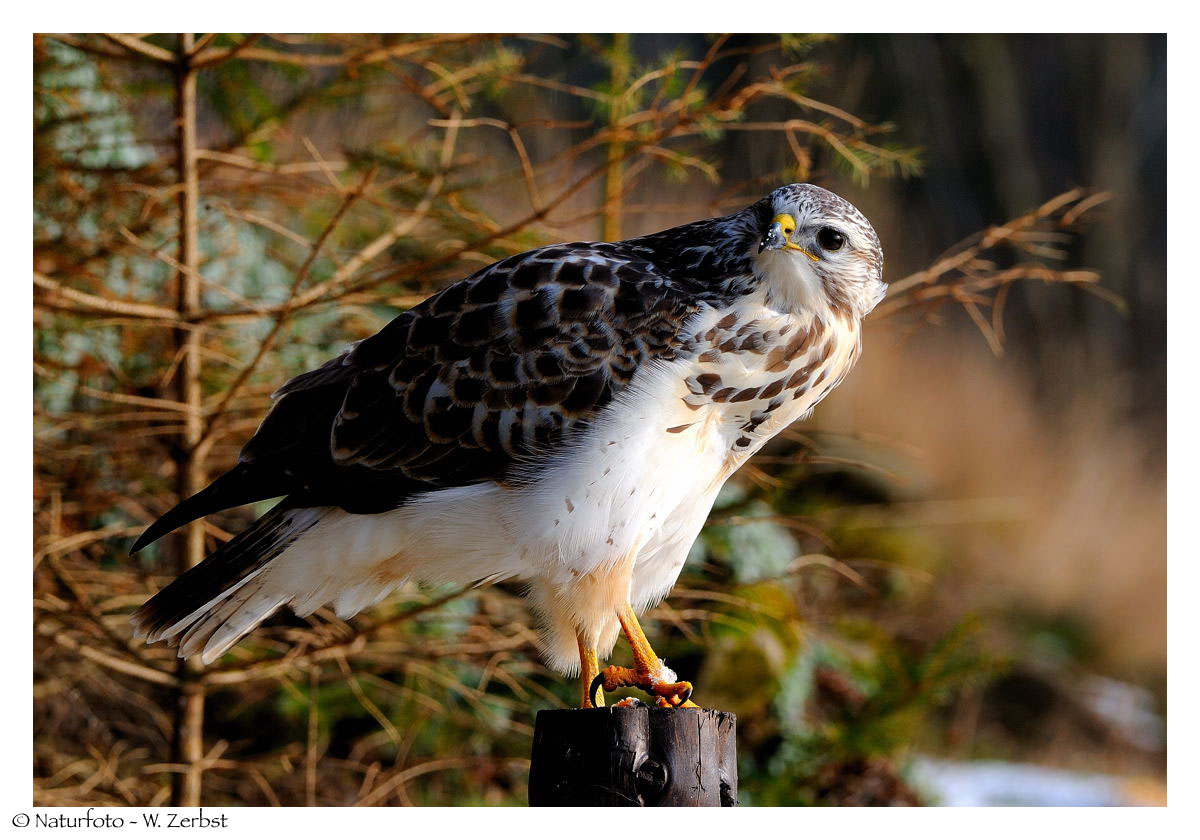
816, 249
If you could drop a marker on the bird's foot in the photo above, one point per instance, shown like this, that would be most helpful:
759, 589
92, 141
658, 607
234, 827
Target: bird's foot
664, 703
660, 683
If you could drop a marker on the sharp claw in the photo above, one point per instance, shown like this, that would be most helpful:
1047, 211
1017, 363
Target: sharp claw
673, 695
593, 688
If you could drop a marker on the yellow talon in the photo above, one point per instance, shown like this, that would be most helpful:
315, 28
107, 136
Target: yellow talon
648, 672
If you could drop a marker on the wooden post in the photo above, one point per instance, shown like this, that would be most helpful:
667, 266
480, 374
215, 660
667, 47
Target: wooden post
639, 756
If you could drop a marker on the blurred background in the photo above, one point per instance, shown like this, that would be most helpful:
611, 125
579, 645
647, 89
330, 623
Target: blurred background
947, 587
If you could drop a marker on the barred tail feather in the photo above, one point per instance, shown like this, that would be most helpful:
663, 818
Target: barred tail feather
208, 608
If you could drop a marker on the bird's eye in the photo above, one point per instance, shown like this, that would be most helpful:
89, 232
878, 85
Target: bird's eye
830, 239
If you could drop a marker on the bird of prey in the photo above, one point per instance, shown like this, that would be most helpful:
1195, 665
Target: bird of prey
564, 417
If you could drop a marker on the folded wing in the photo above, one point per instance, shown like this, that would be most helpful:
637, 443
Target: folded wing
496, 369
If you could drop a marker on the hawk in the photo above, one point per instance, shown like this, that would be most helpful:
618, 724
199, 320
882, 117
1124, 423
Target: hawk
564, 417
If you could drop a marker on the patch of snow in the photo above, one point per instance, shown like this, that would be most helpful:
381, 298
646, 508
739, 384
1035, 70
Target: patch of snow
975, 783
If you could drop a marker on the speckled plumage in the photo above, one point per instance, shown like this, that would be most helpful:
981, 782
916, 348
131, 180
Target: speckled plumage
564, 417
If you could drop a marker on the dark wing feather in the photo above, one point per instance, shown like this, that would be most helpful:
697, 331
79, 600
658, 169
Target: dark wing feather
498, 367
501, 366
241, 485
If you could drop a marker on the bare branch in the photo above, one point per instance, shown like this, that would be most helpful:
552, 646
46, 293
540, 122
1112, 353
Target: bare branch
139, 47
95, 303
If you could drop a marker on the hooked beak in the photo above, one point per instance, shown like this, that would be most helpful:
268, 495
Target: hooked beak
777, 237
774, 240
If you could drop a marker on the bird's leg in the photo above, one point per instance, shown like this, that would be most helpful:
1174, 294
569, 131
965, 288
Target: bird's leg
648, 672
589, 669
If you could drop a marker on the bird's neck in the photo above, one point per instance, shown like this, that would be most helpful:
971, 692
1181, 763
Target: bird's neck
716, 255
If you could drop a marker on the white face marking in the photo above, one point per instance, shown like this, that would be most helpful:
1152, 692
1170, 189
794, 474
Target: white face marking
790, 281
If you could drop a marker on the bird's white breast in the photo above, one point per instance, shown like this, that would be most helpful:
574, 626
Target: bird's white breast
643, 477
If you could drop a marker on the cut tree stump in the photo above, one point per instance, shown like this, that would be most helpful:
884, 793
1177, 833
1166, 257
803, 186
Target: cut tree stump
639, 756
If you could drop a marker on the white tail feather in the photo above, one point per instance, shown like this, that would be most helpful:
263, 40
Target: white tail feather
173, 631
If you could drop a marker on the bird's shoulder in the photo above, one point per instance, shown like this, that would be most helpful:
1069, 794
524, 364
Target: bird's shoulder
532, 300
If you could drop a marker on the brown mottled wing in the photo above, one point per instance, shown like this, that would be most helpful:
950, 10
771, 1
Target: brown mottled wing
500, 366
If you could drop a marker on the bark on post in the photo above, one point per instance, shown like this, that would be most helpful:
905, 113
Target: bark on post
634, 757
